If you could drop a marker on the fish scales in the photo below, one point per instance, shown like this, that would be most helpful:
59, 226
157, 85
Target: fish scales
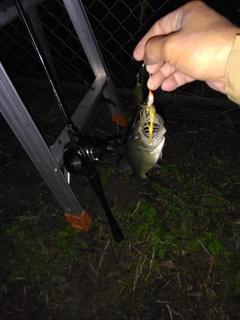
139, 154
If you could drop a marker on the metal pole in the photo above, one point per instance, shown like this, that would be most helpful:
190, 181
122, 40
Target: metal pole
20, 121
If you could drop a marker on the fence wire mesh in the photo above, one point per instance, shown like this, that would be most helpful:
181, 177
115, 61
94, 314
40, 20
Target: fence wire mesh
117, 26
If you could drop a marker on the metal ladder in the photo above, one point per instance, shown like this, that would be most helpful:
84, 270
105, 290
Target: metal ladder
48, 160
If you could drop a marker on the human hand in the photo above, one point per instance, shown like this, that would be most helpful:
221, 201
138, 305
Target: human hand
190, 43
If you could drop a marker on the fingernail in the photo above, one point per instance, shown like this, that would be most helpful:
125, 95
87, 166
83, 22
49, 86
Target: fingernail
148, 68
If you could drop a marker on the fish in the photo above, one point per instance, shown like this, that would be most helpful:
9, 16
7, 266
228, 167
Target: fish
143, 145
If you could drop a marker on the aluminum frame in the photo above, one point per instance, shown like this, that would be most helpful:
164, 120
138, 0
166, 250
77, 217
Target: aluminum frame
22, 124
47, 160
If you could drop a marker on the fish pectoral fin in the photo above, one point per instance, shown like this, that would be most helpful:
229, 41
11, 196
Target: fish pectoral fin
136, 181
122, 164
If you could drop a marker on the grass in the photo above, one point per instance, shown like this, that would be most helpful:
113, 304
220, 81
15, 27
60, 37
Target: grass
180, 258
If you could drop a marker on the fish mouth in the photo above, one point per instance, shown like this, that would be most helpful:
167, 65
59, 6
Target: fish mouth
156, 128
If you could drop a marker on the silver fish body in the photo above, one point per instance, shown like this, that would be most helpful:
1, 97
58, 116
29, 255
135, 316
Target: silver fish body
139, 154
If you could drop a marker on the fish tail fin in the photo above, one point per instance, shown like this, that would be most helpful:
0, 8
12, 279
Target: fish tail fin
136, 181
122, 164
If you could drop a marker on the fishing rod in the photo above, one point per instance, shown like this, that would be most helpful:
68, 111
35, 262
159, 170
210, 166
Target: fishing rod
82, 152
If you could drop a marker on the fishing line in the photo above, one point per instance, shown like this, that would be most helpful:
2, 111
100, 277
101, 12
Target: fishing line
138, 97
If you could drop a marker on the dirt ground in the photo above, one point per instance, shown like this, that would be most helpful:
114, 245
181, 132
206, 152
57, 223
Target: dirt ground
180, 258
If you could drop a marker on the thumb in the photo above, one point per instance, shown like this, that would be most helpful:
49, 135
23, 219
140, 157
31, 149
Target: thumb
156, 50
140, 53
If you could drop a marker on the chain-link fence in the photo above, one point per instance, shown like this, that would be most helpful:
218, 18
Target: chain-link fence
117, 25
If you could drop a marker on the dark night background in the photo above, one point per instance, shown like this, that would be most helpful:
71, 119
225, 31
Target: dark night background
117, 26
180, 259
